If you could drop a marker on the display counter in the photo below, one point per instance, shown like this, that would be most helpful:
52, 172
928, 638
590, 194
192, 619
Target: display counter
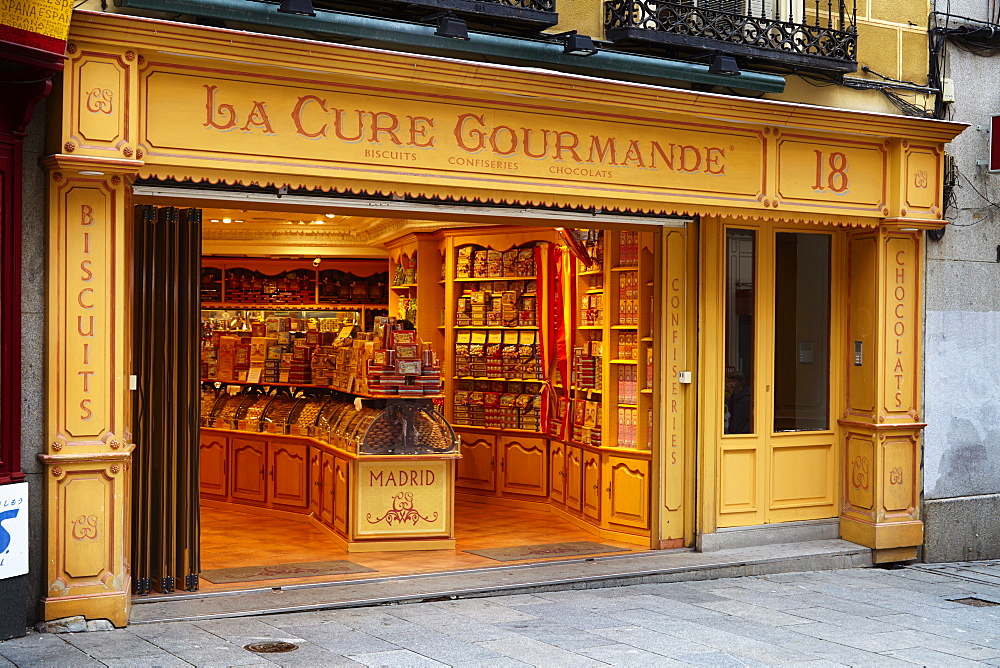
374, 474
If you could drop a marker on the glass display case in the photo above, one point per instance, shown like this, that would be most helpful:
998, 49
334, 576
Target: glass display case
374, 427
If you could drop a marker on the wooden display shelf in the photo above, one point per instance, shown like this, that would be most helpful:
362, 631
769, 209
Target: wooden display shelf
624, 361
495, 327
647, 339
497, 278
631, 267
594, 291
635, 327
291, 307
303, 386
646, 390
591, 272
628, 405
403, 286
516, 380
591, 327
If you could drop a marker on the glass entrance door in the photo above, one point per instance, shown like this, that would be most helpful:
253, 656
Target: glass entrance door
777, 458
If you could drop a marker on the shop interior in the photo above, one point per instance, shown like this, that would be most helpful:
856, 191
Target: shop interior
531, 351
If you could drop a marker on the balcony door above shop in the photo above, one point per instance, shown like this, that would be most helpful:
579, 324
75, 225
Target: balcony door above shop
774, 419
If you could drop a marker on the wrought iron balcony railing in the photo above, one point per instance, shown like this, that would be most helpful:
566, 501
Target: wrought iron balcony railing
809, 37
523, 15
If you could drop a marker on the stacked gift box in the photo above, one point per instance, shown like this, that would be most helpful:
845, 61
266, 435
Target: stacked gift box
586, 367
497, 303
628, 345
472, 262
404, 367
498, 354
586, 417
628, 422
628, 249
244, 286
628, 298
498, 404
592, 310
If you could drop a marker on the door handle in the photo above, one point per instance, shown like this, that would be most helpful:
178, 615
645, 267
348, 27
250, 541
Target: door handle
609, 491
492, 462
501, 465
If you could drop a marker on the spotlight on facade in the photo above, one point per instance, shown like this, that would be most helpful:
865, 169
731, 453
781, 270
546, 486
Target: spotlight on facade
575, 44
451, 26
301, 7
724, 65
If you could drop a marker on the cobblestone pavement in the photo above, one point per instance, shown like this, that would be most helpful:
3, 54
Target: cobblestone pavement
857, 617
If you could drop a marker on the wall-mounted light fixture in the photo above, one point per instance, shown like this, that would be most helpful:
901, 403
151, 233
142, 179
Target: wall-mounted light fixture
575, 44
449, 25
301, 7
724, 66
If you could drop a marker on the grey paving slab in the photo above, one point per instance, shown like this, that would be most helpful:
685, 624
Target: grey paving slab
503, 662
485, 610
772, 600
718, 659
145, 662
238, 629
346, 643
843, 620
870, 642
627, 655
449, 622
928, 657
652, 641
536, 653
939, 628
4, 663
666, 606
376, 623
399, 658
308, 655
38, 649
553, 633
756, 612
448, 650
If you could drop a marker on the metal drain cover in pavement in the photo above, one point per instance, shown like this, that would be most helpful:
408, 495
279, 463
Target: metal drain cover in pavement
273, 647
974, 602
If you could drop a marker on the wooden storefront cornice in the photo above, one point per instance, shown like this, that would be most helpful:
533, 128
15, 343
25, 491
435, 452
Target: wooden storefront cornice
470, 79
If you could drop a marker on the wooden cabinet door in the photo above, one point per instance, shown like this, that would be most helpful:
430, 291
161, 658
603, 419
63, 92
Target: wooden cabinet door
315, 480
341, 487
288, 473
557, 472
523, 466
592, 485
574, 478
328, 465
627, 487
214, 465
477, 467
249, 463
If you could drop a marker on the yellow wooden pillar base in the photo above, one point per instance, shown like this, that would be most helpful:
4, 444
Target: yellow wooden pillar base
881, 428
88, 456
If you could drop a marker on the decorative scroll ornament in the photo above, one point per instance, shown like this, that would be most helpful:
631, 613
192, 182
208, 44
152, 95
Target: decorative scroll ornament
100, 101
896, 476
85, 527
860, 474
402, 512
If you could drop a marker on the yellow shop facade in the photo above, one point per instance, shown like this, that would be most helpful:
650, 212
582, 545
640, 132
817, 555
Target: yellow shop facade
714, 304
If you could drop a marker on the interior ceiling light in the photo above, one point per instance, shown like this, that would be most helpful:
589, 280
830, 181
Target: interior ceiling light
227, 220
451, 26
330, 215
575, 44
301, 7
724, 65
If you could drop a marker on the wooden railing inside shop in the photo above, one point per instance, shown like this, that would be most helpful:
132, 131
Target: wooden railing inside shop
165, 513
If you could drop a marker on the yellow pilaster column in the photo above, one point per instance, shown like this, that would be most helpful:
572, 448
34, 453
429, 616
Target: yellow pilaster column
88, 401
882, 423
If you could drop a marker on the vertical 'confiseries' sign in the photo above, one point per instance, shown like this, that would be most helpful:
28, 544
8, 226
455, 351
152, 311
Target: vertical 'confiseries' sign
40, 24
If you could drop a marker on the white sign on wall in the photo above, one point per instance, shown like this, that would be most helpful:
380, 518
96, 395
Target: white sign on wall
13, 530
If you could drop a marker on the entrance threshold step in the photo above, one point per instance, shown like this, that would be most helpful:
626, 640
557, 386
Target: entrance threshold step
586, 573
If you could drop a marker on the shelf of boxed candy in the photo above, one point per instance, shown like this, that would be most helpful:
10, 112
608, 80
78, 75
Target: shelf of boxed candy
385, 362
333, 420
498, 404
296, 287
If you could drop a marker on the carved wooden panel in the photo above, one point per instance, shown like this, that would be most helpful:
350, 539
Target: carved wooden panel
523, 468
557, 472
288, 474
574, 478
592, 485
315, 480
341, 486
628, 492
328, 466
214, 463
477, 467
249, 468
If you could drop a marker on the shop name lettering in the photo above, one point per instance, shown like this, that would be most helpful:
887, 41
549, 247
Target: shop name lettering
84, 299
398, 137
899, 327
423, 478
